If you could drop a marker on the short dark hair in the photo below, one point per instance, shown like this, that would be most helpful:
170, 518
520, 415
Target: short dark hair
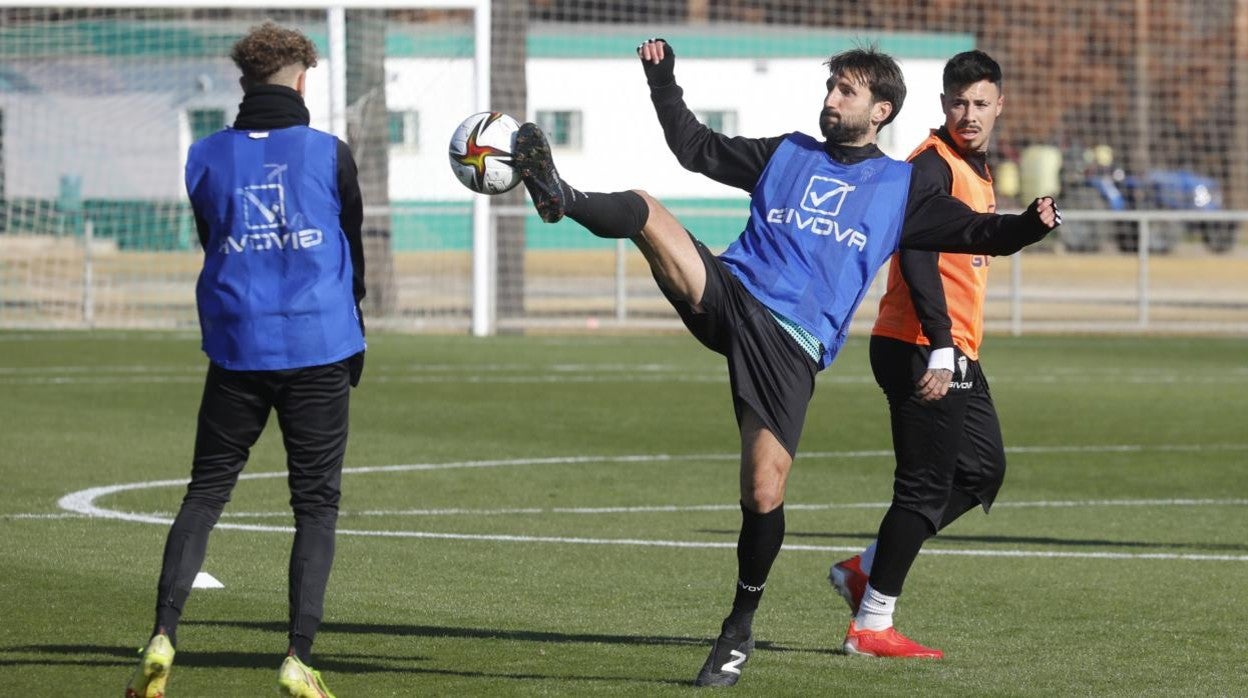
968, 68
877, 70
268, 48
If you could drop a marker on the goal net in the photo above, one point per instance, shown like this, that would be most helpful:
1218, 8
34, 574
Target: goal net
98, 106
1133, 112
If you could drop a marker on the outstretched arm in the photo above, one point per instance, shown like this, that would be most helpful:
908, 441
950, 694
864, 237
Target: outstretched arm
937, 221
737, 162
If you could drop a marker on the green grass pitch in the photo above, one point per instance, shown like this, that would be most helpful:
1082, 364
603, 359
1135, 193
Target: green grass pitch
560, 521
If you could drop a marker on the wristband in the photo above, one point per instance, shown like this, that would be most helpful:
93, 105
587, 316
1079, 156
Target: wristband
941, 359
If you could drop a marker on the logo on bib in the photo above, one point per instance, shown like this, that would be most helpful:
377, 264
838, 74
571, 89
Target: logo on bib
825, 195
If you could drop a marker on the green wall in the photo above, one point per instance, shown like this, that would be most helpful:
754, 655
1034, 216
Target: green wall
429, 225
416, 226
209, 39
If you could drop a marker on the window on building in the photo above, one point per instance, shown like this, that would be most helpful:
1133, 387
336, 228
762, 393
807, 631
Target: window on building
404, 129
719, 120
562, 128
205, 122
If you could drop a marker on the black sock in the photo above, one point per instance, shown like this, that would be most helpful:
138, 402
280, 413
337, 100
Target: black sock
902, 533
620, 214
757, 548
738, 625
301, 647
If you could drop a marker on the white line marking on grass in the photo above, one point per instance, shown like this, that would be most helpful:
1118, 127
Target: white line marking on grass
653, 543
101, 380
1128, 503
41, 517
1125, 448
109, 335
131, 369
676, 509
83, 503
99, 375
1102, 555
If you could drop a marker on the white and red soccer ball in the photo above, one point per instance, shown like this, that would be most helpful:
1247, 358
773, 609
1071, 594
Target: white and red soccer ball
481, 150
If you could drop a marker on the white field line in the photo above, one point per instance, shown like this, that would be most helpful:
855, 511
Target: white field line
659, 543
102, 380
676, 509
110, 335
83, 503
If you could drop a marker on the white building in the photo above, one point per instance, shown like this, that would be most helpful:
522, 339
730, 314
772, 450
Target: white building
117, 127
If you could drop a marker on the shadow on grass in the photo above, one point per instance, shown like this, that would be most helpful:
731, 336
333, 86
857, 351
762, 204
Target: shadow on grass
331, 663
112, 655
340, 663
396, 630
1030, 540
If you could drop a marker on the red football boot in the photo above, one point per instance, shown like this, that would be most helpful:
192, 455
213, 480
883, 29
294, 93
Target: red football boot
886, 643
849, 581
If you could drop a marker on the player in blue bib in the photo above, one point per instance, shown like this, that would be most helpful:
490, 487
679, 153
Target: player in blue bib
279, 214
824, 217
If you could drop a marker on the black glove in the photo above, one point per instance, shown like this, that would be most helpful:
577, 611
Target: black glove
1034, 211
660, 74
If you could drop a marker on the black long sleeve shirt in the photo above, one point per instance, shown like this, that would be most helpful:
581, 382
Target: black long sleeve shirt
934, 220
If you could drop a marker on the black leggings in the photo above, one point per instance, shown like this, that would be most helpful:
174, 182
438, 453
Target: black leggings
312, 408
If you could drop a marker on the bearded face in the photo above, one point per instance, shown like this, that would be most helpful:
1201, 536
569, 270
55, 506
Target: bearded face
840, 127
847, 109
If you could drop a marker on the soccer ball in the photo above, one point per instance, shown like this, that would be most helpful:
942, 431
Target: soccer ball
481, 152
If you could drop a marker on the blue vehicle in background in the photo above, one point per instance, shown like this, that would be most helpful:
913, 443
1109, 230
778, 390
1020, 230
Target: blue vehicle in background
1100, 186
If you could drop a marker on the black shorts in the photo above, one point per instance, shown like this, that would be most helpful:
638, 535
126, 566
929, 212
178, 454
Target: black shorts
769, 371
952, 443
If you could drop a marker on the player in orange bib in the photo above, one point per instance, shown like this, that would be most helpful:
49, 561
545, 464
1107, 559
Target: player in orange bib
925, 356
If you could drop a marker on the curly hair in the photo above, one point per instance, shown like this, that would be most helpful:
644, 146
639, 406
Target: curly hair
268, 48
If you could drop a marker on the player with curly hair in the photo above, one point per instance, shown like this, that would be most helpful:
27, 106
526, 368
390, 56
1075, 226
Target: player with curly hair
278, 211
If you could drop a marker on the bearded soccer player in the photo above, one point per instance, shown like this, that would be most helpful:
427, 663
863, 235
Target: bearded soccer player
925, 356
824, 216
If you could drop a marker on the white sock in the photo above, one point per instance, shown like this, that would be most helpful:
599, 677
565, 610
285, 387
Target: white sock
876, 611
866, 558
